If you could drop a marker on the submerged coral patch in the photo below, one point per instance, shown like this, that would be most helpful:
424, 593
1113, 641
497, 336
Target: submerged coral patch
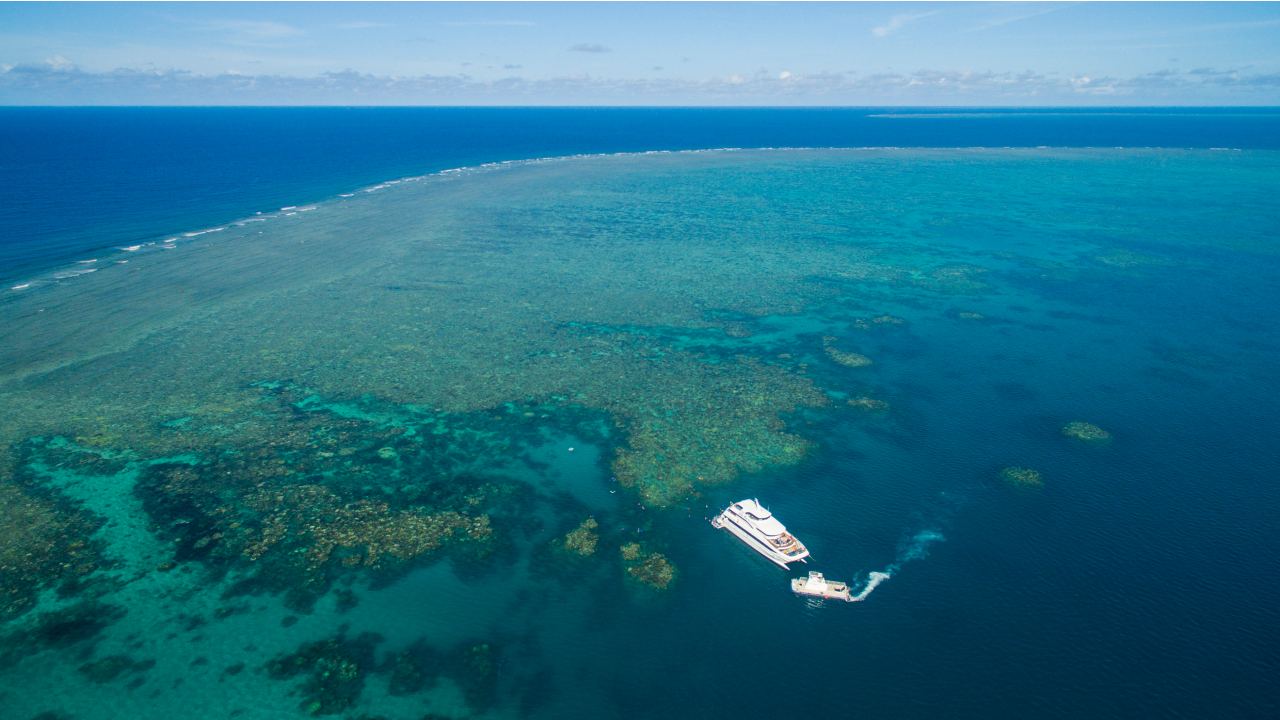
846, 358
582, 540
1085, 432
885, 320
413, 669
112, 667
474, 667
1023, 476
866, 402
333, 671
649, 568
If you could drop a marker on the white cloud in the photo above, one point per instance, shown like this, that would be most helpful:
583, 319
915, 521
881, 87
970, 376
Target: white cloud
63, 83
590, 48
897, 22
1087, 85
58, 62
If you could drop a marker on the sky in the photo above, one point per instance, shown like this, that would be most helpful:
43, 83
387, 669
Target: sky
723, 53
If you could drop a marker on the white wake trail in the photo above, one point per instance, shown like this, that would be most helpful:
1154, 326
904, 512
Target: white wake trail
916, 549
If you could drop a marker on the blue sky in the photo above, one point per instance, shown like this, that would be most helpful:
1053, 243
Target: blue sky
643, 53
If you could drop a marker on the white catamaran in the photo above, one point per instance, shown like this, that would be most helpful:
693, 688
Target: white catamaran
761, 531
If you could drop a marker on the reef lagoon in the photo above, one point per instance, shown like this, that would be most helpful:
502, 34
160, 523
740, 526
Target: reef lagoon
446, 446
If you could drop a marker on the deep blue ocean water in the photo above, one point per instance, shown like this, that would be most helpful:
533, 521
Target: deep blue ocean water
498, 313
83, 179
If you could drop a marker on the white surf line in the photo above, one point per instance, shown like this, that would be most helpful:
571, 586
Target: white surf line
68, 274
206, 231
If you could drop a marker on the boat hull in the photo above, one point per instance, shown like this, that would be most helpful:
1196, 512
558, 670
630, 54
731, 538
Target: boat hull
752, 542
827, 591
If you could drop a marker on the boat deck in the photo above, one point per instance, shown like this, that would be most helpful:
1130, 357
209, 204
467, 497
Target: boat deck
817, 586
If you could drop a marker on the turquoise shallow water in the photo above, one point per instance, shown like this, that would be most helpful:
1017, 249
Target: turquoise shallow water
326, 462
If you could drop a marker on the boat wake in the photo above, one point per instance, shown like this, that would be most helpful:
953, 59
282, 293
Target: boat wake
916, 548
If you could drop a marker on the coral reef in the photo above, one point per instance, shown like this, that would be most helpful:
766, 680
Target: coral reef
958, 279
474, 667
77, 626
582, 539
864, 402
334, 671
369, 404
878, 320
413, 669
713, 423
1086, 432
843, 357
322, 498
43, 541
362, 533
1022, 476
649, 568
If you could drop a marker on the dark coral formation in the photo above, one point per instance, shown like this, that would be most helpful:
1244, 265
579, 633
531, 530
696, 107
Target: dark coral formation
327, 496
77, 626
44, 539
474, 667
413, 669
79, 623
333, 671
112, 667
647, 567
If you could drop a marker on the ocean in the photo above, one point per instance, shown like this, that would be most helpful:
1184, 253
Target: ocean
416, 413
